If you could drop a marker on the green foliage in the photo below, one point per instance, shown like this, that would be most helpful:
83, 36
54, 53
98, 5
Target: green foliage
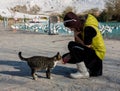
103, 17
1, 18
113, 9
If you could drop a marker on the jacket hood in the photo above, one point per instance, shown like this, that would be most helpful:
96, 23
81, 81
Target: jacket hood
91, 21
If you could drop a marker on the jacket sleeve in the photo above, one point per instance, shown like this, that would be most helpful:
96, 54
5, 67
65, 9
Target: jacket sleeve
89, 34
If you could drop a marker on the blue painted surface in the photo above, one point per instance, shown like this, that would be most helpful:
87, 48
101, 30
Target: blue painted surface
57, 28
108, 30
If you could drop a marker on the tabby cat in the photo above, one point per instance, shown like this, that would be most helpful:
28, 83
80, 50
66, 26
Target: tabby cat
41, 62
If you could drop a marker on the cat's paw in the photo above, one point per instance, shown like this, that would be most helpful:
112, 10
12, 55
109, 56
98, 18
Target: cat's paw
35, 77
50, 78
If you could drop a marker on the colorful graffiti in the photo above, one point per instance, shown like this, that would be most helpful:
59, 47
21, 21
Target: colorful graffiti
108, 30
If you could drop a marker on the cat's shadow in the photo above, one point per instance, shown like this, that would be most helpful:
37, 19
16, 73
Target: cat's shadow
15, 68
20, 68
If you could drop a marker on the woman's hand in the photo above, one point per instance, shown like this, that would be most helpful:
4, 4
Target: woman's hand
76, 33
66, 59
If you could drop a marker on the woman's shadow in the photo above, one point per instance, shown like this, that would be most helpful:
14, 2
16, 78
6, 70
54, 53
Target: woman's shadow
22, 69
63, 70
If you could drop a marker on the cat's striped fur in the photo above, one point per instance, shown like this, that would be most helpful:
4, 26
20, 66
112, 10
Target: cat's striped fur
41, 62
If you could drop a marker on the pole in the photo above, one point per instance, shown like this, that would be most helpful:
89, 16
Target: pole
49, 29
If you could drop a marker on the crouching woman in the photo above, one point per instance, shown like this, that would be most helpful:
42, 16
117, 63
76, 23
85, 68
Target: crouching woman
88, 49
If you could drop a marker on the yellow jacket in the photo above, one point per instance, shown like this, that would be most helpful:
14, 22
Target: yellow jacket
97, 42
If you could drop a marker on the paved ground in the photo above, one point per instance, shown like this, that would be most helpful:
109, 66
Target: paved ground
15, 74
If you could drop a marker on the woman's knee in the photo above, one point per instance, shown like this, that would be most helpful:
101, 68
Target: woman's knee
71, 44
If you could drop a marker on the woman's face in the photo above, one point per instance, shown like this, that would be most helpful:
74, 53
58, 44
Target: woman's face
72, 29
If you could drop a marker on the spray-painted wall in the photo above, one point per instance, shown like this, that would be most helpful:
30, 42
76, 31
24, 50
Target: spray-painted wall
110, 29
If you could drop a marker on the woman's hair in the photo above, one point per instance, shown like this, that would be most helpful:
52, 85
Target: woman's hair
71, 20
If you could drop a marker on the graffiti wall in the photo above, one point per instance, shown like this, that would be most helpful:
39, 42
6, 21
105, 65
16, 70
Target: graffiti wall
110, 30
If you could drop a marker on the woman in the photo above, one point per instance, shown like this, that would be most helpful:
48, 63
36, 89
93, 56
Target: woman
88, 49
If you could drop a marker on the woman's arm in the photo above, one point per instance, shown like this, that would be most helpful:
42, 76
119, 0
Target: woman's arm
89, 34
77, 38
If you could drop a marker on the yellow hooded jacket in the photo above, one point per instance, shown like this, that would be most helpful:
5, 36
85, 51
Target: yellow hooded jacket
97, 42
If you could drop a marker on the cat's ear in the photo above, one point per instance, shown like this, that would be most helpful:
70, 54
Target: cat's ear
58, 53
58, 56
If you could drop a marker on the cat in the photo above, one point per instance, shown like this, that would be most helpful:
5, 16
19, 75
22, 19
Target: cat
41, 62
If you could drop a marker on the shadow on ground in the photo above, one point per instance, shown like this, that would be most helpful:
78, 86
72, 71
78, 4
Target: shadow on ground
20, 68
62, 70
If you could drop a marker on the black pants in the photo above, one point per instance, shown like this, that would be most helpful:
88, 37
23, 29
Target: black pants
81, 53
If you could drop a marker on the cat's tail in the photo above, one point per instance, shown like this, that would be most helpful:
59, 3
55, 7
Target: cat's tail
21, 57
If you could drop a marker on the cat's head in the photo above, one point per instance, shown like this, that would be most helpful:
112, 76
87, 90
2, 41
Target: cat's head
57, 57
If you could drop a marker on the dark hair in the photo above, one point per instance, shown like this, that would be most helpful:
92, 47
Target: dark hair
71, 20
